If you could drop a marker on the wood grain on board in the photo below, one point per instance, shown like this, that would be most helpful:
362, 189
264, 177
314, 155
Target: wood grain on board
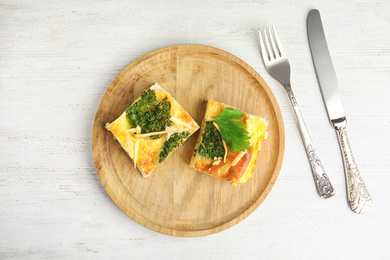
175, 199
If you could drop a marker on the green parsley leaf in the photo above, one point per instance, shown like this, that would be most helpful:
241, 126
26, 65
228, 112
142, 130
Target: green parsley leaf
232, 130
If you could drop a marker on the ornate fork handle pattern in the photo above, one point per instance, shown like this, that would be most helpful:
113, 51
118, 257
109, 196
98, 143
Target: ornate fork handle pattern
321, 179
291, 96
323, 184
357, 194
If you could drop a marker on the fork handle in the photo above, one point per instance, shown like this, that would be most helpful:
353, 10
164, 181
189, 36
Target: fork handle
358, 197
321, 179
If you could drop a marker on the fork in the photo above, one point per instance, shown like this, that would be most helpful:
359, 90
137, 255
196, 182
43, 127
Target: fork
278, 66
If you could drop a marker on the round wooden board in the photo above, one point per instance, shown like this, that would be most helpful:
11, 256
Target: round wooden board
177, 200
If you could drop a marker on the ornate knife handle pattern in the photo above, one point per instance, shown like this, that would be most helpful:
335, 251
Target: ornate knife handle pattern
358, 197
321, 179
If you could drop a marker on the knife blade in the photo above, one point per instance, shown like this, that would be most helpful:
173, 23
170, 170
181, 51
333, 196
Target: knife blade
358, 197
324, 68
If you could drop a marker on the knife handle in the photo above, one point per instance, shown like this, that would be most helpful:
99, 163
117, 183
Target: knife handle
321, 179
358, 197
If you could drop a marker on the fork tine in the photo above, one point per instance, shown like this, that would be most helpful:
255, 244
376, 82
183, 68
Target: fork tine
278, 43
270, 51
264, 51
272, 40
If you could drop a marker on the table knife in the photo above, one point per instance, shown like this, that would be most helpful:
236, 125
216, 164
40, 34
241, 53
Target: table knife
358, 197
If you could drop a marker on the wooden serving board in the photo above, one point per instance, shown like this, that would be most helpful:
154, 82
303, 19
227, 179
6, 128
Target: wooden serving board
177, 200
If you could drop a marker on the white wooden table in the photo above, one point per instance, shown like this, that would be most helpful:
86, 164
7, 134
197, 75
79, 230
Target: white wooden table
58, 57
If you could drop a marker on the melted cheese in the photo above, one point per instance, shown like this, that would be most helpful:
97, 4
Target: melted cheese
238, 158
257, 128
138, 130
217, 162
155, 133
145, 152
